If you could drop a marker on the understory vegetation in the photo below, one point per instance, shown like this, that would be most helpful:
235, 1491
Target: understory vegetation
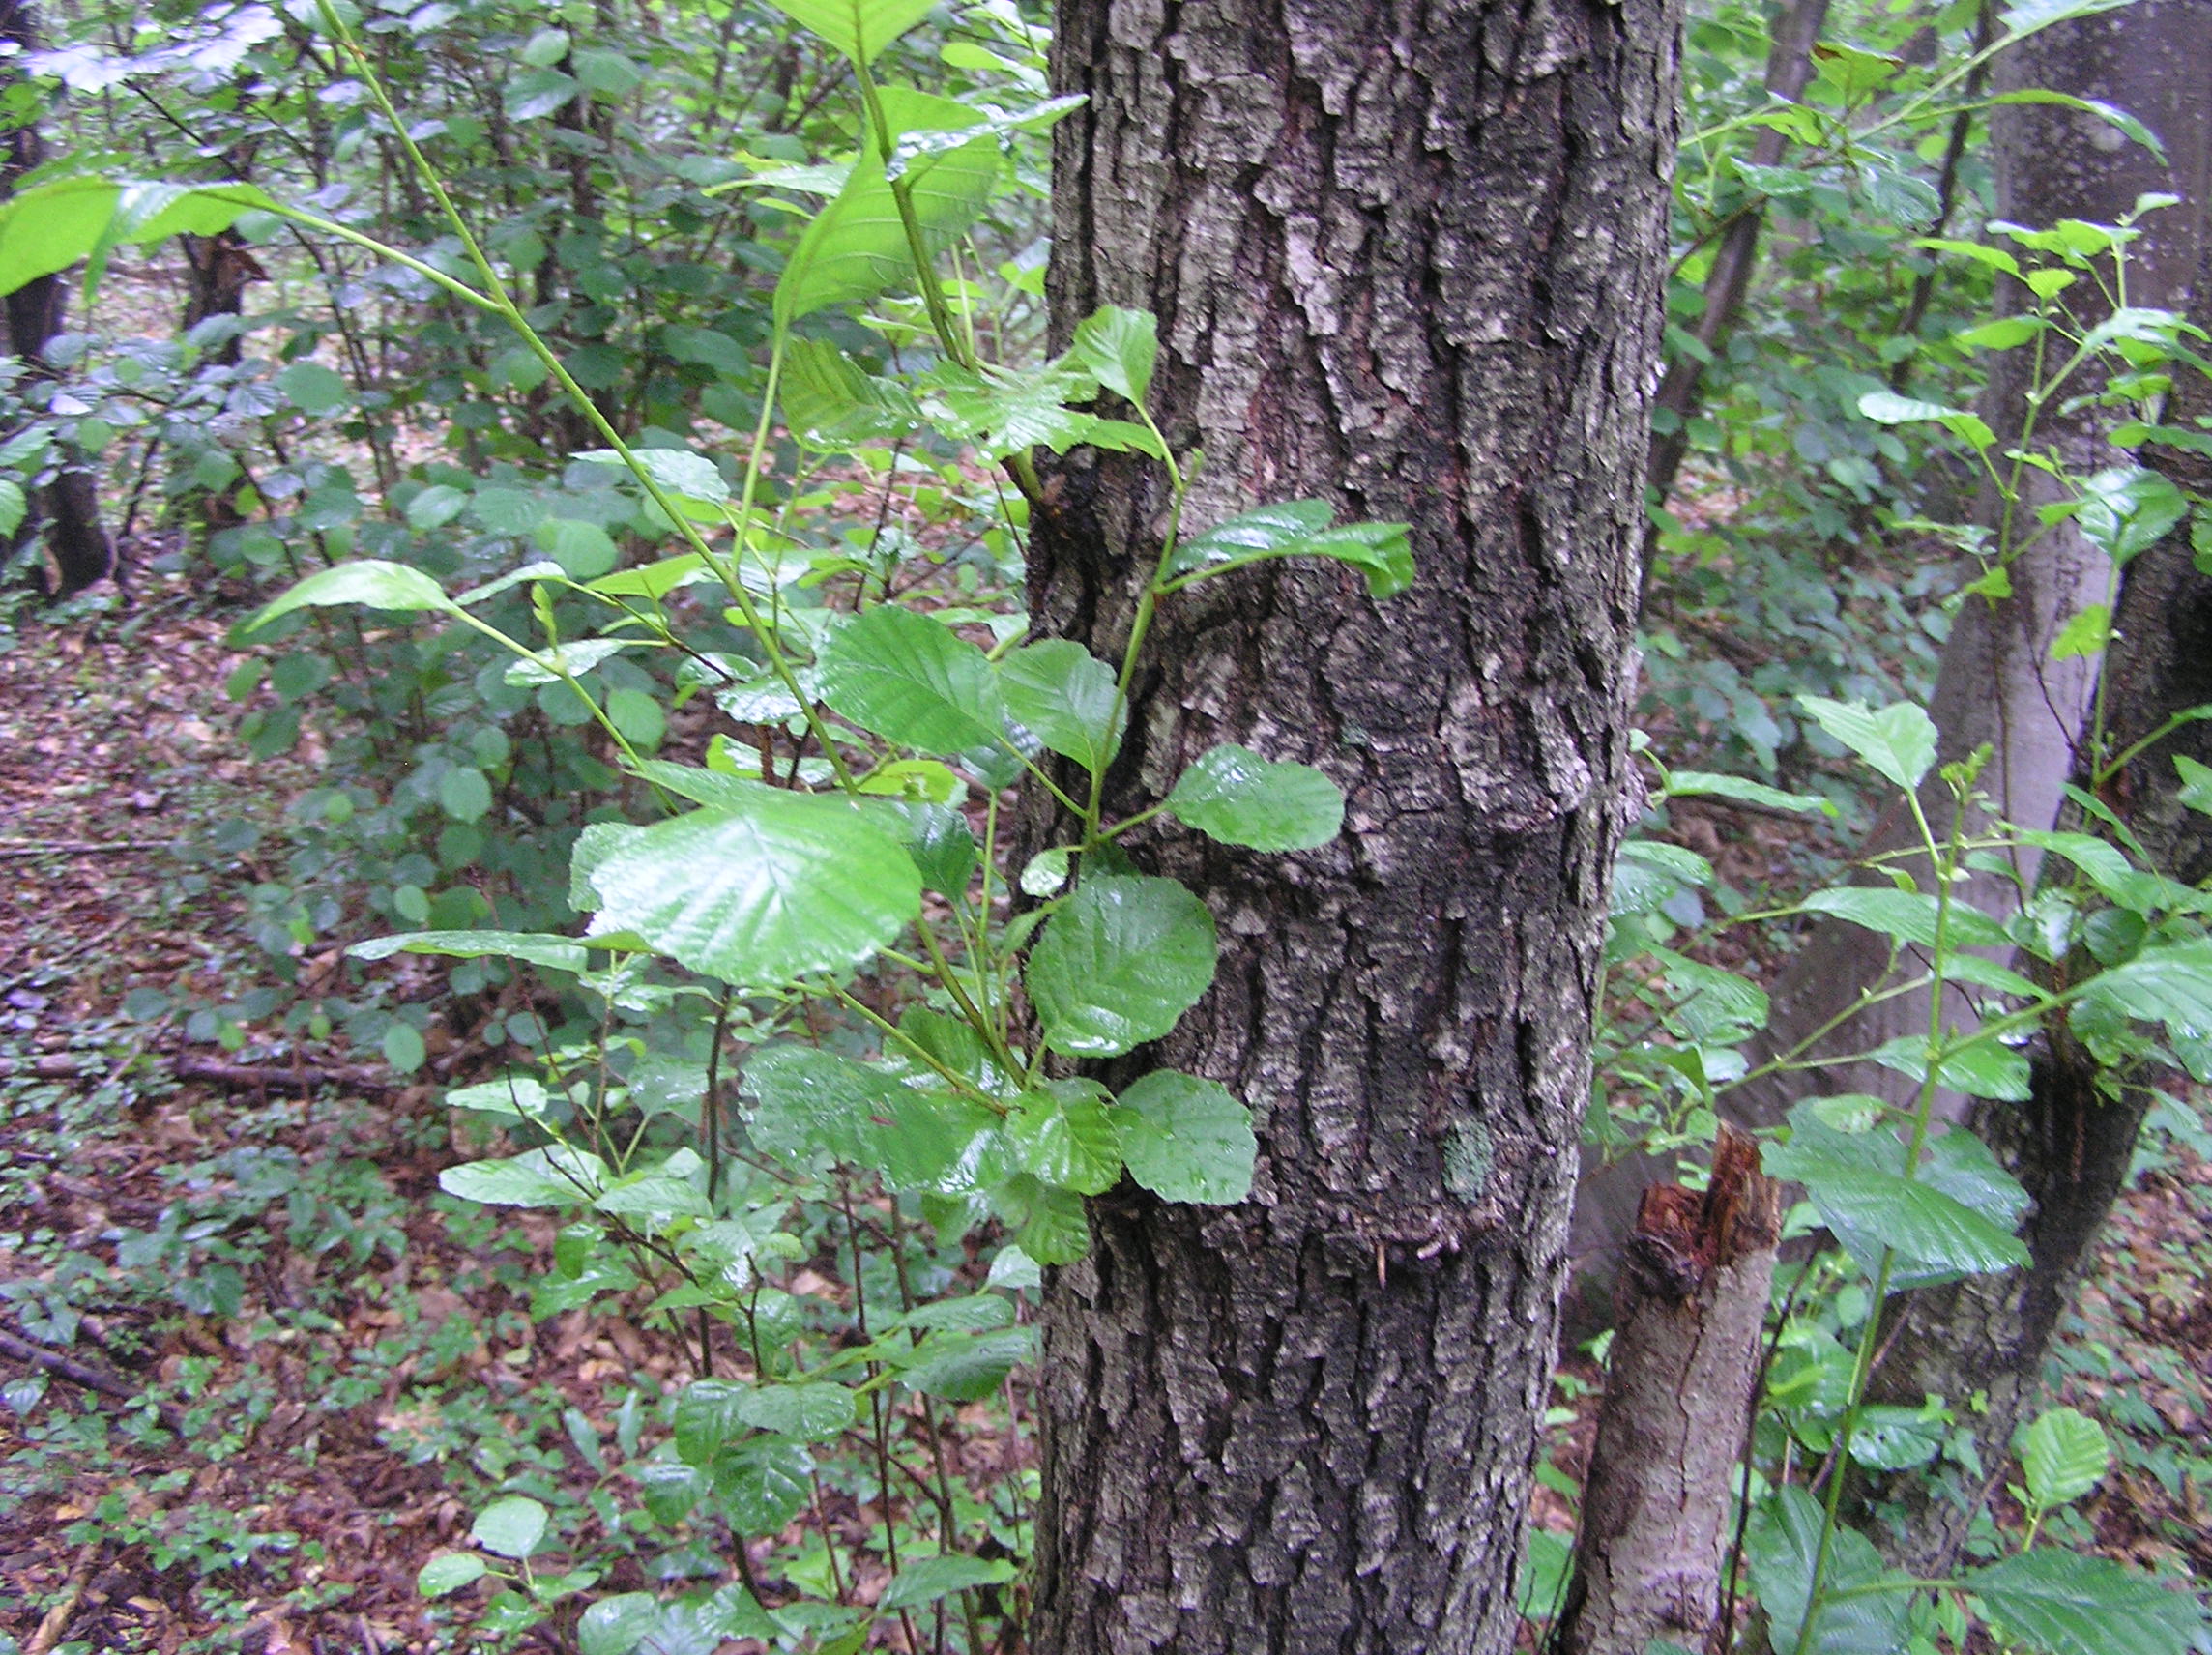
567, 972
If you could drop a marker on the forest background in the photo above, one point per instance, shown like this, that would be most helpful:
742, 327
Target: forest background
498, 470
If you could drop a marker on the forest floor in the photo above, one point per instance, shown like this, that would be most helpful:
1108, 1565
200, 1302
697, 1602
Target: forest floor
255, 1369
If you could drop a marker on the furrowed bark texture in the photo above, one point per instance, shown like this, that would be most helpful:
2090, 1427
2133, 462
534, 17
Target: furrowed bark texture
1691, 1301
1409, 259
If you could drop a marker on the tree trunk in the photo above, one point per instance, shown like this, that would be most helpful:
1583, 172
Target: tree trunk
1409, 259
1677, 1414
68, 508
1997, 685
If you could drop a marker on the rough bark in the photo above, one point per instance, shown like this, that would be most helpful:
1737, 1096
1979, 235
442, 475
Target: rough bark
2072, 1143
68, 508
1996, 683
1788, 66
1409, 259
1670, 1431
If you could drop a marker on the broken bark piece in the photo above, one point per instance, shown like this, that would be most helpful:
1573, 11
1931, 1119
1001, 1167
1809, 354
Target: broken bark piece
1690, 1301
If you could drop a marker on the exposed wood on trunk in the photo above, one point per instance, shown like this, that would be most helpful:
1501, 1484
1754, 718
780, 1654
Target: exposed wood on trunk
1689, 1306
1407, 258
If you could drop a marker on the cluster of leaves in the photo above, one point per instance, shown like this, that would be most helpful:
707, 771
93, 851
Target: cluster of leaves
2100, 951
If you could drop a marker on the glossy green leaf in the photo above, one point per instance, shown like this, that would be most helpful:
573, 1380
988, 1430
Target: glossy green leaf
1234, 795
1954, 1217
809, 1412
1118, 347
369, 582
618, 1625
810, 1101
761, 891
443, 1574
555, 1176
967, 1367
1908, 915
2128, 510
1064, 696
830, 403
860, 29
46, 229
1186, 1138
1048, 1222
856, 246
675, 471
764, 1484
1781, 1545
923, 1580
1693, 784
2169, 984
1295, 528
1120, 964
1898, 741
1063, 1135
1893, 1439
1984, 1069
539, 948
910, 680
2062, 1455
2067, 1603
510, 1527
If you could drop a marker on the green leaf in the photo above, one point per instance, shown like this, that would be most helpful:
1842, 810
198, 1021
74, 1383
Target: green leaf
2086, 634
370, 582
811, 1101
2195, 791
709, 1419
618, 1625
830, 403
1781, 1545
14, 507
675, 471
2063, 1455
1295, 528
967, 1367
761, 891
314, 389
1234, 796
1186, 1138
464, 794
509, 1528
1893, 1439
1061, 1132
1541, 1586
555, 1176
764, 1485
860, 29
1120, 964
1063, 695
1908, 916
809, 1412
910, 680
1899, 741
1981, 1068
46, 230
517, 1097
1049, 1223
2128, 510
1118, 347
539, 948
1954, 1217
2169, 984
857, 245
2065, 1603
443, 1574
924, 1580
1691, 784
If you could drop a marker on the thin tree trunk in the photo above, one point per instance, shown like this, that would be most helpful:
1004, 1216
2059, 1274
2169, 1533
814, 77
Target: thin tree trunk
1410, 259
1677, 1412
68, 508
1788, 66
